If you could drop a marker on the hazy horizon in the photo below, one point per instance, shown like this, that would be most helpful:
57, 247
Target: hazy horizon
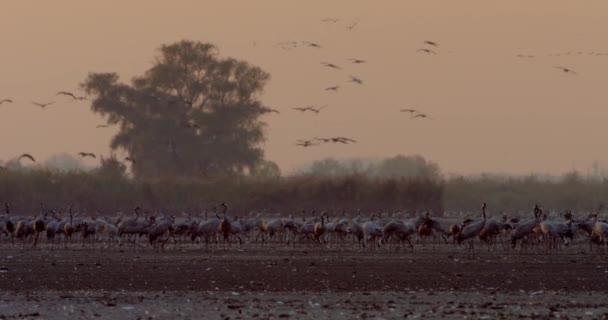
492, 111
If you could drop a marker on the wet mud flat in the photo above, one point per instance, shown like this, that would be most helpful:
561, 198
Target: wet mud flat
300, 283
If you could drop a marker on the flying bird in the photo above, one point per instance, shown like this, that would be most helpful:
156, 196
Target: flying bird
330, 65
410, 110
42, 105
5, 101
71, 95
306, 143
352, 26
358, 61
314, 109
421, 115
27, 155
566, 70
334, 88
87, 154
355, 80
431, 43
312, 44
101, 126
425, 50
269, 110
343, 140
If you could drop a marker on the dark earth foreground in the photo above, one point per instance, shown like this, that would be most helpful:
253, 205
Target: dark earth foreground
300, 283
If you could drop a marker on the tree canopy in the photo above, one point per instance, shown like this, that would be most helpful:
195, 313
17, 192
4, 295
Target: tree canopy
193, 113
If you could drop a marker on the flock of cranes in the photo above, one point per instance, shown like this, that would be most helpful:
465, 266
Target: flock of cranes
43, 105
364, 231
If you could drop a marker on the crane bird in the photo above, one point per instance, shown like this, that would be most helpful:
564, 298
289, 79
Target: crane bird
87, 154
5, 101
306, 143
431, 43
352, 26
472, 230
331, 65
314, 109
357, 61
71, 95
312, 44
410, 110
27, 155
566, 70
425, 50
355, 80
421, 115
42, 104
269, 110
333, 88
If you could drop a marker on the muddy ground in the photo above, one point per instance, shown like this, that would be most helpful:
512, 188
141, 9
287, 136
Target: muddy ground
300, 283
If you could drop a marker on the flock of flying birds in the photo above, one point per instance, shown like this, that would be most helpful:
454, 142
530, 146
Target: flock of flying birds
43, 105
428, 47
316, 109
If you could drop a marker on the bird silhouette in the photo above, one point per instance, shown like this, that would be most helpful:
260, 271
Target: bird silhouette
314, 109
352, 26
421, 115
87, 154
409, 110
306, 143
431, 43
330, 65
269, 110
425, 50
343, 140
355, 80
5, 101
566, 70
101, 126
27, 155
312, 44
42, 105
358, 61
334, 88
71, 95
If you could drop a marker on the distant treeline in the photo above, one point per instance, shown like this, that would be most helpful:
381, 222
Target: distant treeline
571, 191
94, 191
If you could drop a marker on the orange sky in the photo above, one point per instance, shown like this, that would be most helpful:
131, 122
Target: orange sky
492, 111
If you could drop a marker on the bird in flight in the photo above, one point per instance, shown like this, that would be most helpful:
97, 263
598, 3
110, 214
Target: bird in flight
431, 43
27, 155
410, 110
101, 126
333, 88
421, 115
314, 109
87, 154
425, 50
312, 44
42, 105
352, 26
71, 95
343, 140
330, 65
355, 80
269, 110
306, 143
566, 70
5, 101
358, 61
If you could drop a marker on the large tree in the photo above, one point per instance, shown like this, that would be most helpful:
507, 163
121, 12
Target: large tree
192, 113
